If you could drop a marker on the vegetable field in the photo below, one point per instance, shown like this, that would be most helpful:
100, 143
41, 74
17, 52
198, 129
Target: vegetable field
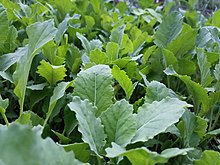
109, 82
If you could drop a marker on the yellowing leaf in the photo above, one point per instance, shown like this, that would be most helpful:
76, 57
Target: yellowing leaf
51, 73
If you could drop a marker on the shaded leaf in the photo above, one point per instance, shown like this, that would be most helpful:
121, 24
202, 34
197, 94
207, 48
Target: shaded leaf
123, 80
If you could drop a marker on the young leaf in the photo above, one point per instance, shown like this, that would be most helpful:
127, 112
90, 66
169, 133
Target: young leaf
156, 117
204, 67
39, 34
3, 106
208, 157
4, 28
90, 127
199, 93
169, 29
119, 123
123, 80
95, 84
31, 143
85, 42
58, 92
142, 155
51, 73
98, 57
112, 50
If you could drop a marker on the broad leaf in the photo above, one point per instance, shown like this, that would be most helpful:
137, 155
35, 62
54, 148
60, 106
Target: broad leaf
31, 143
85, 42
204, 67
4, 27
123, 80
144, 156
90, 127
208, 157
157, 91
39, 34
199, 93
184, 42
58, 92
156, 117
95, 84
119, 123
51, 73
117, 35
169, 29
8, 60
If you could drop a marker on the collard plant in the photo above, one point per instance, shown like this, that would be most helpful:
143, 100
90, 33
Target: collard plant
106, 82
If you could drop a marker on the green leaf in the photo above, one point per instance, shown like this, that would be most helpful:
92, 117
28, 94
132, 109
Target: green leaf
39, 34
95, 84
204, 67
70, 121
56, 55
200, 96
112, 50
58, 92
51, 73
98, 57
184, 42
96, 5
157, 91
85, 42
169, 29
190, 129
208, 157
31, 143
156, 117
117, 35
90, 127
216, 19
62, 28
126, 46
81, 151
123, 80
4, 27
119, 123
144, 156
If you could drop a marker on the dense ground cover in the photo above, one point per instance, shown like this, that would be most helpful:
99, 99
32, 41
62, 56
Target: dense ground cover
109, 82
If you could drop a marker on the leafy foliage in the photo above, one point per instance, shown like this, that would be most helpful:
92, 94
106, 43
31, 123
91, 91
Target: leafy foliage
109, 82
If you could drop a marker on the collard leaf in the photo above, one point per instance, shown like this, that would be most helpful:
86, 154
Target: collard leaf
123, 80
199, 93
184, 42
58, 92
85, 42
31, 143
39, 34
51, 73
156, 117
95, 84
8, 60
208, 157
4, 27
117, 35
204, 67
119, 123
157, 91
169, 29
216, 19
81, 151
90, 127
144, 156
3, 105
